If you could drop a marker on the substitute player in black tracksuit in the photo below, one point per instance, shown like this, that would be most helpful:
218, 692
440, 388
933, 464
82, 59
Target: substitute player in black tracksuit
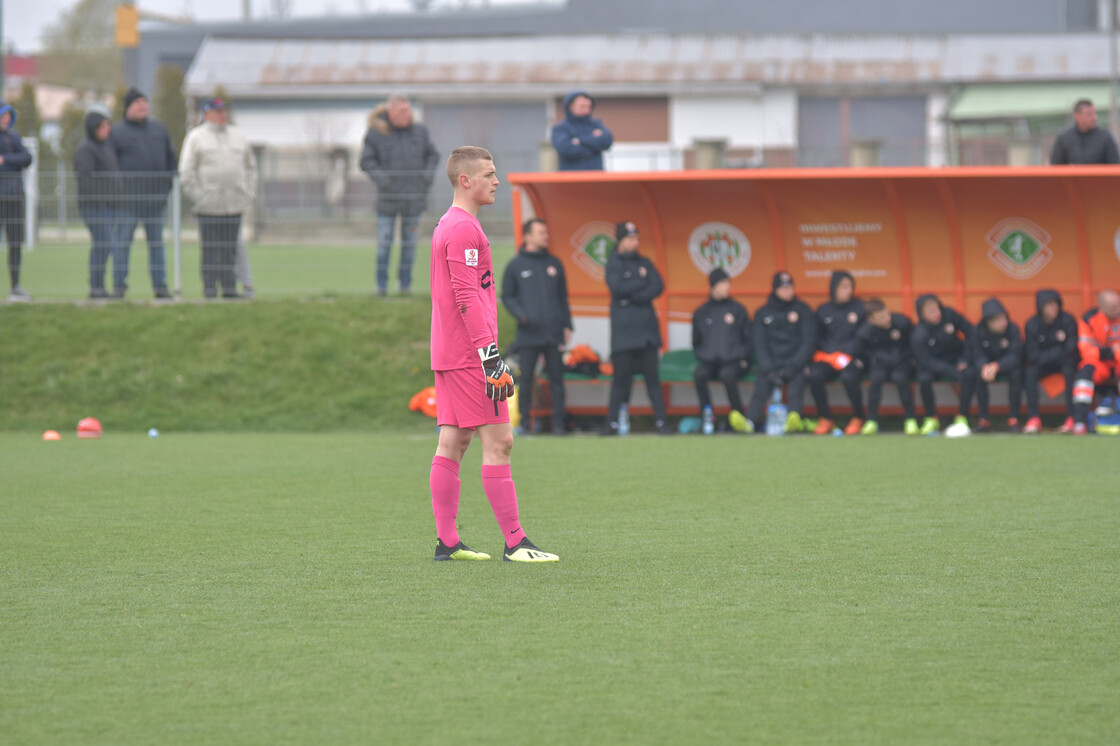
940, 345
721, 341
997, 352
785, 336
634, 283
838, 353
535, 292
1050, 339
885, 341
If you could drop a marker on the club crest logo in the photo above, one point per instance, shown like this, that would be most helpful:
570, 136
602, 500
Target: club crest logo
793, 317
592, 244
1019, 248
1060, 335
728, 319
719, 246
472, 257
853, 317
896, 334
551, 271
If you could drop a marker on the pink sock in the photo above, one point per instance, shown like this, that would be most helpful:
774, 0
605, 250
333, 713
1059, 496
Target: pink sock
445, 483
497, 483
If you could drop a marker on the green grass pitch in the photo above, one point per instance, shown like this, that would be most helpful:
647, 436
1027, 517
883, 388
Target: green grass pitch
279, 588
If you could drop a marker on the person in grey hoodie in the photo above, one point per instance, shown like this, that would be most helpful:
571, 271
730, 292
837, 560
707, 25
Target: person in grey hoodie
99, 203
14, 158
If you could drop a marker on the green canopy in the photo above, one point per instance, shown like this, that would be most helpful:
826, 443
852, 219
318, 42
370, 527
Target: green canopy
1011, 101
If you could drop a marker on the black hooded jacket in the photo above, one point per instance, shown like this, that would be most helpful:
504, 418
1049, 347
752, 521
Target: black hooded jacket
145, 156
16, 157
99, 176
633, 320
1053, 343
838, 325
989, 347
939, 348
535, 292
785, 334
887, 348
721, 332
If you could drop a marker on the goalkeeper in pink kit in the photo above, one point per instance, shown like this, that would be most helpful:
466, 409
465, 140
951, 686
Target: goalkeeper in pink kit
472, 381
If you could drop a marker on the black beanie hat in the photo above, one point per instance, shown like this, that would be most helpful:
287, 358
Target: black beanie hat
624, 229
717, 275
781, 279
131, 96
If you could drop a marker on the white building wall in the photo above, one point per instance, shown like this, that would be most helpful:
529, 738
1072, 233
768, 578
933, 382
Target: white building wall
937, 129
764, 120
303, 126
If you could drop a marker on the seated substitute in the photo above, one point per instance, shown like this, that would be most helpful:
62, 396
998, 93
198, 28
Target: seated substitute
1098, 340
838, 354
997, 352
940, 346
785, 335
885, 340
721, 340
535, 292
1050, 339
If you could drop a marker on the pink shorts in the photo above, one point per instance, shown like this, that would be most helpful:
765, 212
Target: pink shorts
461, 400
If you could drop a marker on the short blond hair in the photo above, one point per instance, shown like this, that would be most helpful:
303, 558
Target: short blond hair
462, 161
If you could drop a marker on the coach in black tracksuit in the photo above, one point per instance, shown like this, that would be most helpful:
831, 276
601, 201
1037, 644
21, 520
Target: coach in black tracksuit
885, 340
940, 345
1051, 347
535, 292
838, 324
721, 341
997, 350
785, 336
634, 283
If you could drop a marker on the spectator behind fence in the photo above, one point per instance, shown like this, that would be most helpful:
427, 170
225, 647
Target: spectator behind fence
785, 335
99, 202
885, 340
1098, 335
721, 341
634, 283
997, 351
940, 344
219, 176
399, 157
147, 162
1051, 348
580, 138
14, 158
1083, 142
535, 292
838, 352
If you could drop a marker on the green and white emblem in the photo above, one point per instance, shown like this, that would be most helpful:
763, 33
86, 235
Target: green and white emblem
1019, 248
593, 244
719, 246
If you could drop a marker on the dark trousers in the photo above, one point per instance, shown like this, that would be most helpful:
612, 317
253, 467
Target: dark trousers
554, 367
1035, 373
966, 379
1014, 378
104, 232
900, 375
819, 376
764, 388
627, 364
149, 211
13, 208
218, 235
726, 373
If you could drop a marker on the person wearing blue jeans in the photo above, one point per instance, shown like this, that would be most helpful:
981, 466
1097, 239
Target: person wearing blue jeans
142, 210
99, 203
410, 226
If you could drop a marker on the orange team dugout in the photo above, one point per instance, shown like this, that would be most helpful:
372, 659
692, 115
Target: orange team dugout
965, 234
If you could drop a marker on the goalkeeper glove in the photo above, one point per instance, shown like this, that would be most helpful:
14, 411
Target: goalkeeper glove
499, 380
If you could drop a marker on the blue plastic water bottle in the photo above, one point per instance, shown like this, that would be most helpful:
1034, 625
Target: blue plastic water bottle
624, 420
776, 414
709, 419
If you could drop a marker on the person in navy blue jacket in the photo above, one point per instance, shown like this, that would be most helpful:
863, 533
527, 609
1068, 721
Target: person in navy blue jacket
581, 138
14, 158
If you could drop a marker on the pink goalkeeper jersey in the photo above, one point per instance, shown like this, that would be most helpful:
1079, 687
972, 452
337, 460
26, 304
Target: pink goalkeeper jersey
464, 299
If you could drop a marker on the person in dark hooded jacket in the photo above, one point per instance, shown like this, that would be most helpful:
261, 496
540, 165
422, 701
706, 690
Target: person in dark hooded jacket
535, 292
838, 352
580, 138
1051, 347
940, 345
997, 351
398, 156
785, 335
100, 189
634, 283
885, 340
721, 341
14, 158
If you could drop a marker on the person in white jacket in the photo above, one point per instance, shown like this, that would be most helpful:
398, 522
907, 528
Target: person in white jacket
219, 177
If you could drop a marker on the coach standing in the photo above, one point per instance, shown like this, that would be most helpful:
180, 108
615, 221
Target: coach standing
535, 292
1084, 142
580, 139
399, 157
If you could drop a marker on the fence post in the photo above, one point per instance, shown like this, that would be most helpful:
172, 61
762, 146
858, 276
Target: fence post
60, 191
31, 189
177, 235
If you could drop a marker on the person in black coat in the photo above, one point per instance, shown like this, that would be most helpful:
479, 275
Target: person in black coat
997, 351
885, 340
398, 156
940, 345
838, 353
785, 335
721, 341
535, 292
99, 202
14, 158
634, 283
1083, 141
1051, 347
